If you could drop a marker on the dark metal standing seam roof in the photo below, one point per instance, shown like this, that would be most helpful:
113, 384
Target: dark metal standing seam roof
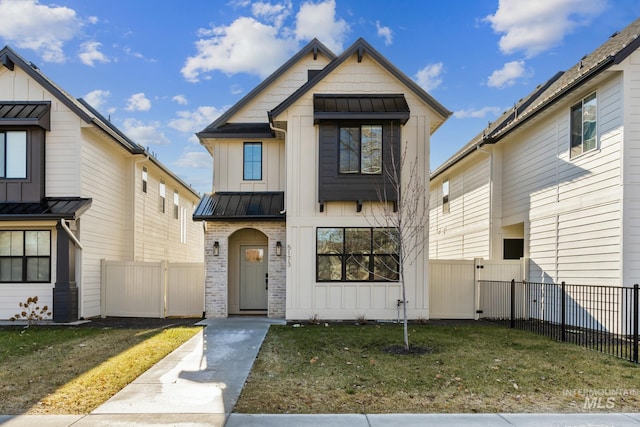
226, 206
51, 208
26, 114
360, 107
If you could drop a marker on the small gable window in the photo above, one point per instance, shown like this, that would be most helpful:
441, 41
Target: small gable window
252, 168
584, 125
13, 155
361, 149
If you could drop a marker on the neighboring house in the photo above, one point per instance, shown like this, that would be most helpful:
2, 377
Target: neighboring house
74, 190
297, 164
555, 180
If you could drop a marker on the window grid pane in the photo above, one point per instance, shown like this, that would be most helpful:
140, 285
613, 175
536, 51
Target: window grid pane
16, 155
371, 155
252, 161
349, 150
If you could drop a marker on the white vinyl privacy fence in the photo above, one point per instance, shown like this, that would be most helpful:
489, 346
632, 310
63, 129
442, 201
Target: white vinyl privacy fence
453, 285
152, 289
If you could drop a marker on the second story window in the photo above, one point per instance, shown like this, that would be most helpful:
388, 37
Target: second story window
584, 125
176, 204
361, 150
445, 196
252, 167
162, 201
145, 177
13, 155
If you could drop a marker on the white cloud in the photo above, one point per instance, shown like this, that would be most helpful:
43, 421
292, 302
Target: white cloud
93, 20
145, 134
138, 102
195, 160
385, 33
96, 98
430, 76
535, 26
244, 46
44, 29
319, 20
90, 53
235, 89
508, 75
273, 13
194, 121
249, 45
477, 114
180, 99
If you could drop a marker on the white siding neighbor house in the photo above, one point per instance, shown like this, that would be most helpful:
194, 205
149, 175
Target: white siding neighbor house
555, 180
74, 190
299, 165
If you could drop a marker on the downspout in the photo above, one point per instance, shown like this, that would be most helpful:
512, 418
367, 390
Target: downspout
72, 236
275, 129
491, 192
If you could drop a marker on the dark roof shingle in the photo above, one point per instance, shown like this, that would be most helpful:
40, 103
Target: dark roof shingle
224, 206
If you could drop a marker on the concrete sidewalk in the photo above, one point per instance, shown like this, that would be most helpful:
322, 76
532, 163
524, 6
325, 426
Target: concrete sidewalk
199, 384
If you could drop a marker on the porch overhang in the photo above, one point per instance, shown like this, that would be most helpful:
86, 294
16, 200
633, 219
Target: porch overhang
50, 208
240, 206
26, 114
360, 107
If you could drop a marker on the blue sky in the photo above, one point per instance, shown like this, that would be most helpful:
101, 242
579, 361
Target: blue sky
163, 70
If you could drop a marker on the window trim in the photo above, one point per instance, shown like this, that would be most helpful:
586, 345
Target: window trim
24, 258
5, 161
580, 105
252, 162
145, 179
446, 191
345, 256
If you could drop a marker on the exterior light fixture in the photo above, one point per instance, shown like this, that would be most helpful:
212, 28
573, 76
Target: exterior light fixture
278, 248
216, 248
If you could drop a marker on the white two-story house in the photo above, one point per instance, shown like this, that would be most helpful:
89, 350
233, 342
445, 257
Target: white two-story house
74, 190
555, 180
298, 171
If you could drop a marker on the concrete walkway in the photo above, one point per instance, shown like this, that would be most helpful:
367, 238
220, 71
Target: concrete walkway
199, 384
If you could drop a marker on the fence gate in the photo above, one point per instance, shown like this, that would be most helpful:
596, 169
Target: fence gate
453, 284
152, 289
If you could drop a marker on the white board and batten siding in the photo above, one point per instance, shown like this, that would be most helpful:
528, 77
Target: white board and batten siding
572, 204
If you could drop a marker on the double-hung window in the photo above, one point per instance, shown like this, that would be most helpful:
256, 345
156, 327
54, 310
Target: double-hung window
13, 155
252, 167
356, 255
361, 150
584, 128
25, 256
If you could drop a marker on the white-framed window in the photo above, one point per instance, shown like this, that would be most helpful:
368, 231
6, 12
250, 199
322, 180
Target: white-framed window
584, 126
176, 204
145, 178
162, 201
13, 155
445, 196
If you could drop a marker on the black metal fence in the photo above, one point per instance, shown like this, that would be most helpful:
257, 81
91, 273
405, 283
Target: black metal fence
603, 318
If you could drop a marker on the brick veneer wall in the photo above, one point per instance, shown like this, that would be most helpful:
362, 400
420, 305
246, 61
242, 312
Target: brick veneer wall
216, 276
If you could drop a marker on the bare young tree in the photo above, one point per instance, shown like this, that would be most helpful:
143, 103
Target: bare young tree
403, 219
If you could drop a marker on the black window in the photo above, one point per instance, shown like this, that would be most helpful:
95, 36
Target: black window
361, 149
513, 248
252, 169
25, 256
356, 255
13, 154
